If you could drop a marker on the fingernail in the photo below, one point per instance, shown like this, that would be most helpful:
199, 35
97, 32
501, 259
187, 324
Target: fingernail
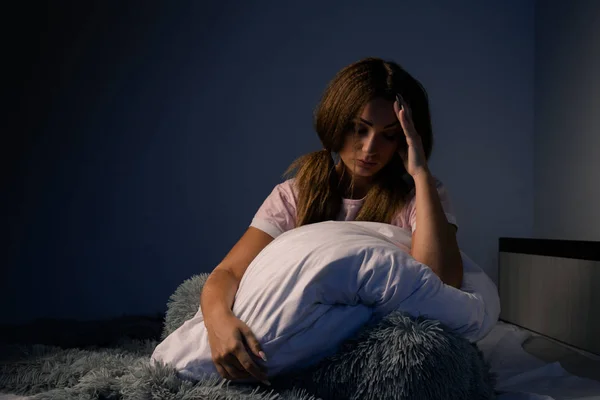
400, 102
263, 356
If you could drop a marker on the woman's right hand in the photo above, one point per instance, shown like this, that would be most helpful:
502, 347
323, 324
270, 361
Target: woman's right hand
232, 345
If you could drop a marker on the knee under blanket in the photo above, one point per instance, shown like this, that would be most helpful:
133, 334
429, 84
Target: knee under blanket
315, 286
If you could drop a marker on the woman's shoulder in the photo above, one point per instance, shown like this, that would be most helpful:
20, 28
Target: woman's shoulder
287, 190
288, 185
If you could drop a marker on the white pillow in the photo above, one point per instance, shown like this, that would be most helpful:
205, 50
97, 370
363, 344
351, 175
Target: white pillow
315, 286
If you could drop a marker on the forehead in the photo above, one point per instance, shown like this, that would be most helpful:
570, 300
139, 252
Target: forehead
380, 112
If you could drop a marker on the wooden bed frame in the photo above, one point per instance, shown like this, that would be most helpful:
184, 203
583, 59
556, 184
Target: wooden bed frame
552, 287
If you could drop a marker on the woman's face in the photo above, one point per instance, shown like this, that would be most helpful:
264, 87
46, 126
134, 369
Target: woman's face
375, 141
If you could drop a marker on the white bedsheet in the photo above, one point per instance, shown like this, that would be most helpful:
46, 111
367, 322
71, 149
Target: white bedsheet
522, 376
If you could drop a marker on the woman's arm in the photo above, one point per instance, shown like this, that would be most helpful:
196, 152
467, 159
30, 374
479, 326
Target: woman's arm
229, 338
434, 242
222, 284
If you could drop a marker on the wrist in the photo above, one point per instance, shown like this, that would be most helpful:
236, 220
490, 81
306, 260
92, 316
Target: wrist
216, 315
423, 176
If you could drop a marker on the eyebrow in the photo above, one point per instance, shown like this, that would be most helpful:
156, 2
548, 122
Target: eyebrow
385, 127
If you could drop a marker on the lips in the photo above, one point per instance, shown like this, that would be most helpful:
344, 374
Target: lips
366, 164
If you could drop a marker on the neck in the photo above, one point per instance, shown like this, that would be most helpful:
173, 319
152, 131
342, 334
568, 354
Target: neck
361, 184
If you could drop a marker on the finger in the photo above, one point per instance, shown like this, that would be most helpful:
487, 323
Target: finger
398, 105
403, 105
407, 110
400, 111
232, 361
232, 371
403, 112
407, 125
223, 372
409, 131
251, 367
253, 344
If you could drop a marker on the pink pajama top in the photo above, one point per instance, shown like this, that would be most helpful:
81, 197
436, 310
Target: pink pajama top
277, 214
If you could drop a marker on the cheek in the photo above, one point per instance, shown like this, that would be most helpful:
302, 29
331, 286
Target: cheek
346, 154
349, 147
391, 148
399, 146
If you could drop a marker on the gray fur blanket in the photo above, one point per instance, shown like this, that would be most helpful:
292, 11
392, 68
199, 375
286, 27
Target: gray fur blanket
398, 358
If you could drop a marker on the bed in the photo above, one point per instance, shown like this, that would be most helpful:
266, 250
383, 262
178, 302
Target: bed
532, 356
547, 342
529, 367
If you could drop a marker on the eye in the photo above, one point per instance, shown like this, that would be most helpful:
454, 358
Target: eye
392, 135
359, 129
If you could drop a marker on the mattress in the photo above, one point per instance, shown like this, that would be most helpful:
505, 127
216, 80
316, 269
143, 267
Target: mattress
525, 376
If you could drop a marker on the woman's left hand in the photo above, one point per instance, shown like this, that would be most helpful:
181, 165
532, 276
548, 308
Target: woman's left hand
413, 157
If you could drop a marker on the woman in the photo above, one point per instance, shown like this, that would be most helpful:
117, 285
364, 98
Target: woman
375, 117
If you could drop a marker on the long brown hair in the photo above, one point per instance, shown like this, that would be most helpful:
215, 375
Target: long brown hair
319, 186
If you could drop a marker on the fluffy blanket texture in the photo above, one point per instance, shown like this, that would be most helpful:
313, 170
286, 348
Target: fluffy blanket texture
399, 357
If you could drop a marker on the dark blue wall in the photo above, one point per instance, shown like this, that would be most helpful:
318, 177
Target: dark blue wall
145, 135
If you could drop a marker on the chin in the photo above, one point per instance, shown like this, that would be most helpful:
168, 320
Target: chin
365, 173
361, 172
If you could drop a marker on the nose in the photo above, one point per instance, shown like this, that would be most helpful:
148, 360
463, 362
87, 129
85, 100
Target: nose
369, 144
